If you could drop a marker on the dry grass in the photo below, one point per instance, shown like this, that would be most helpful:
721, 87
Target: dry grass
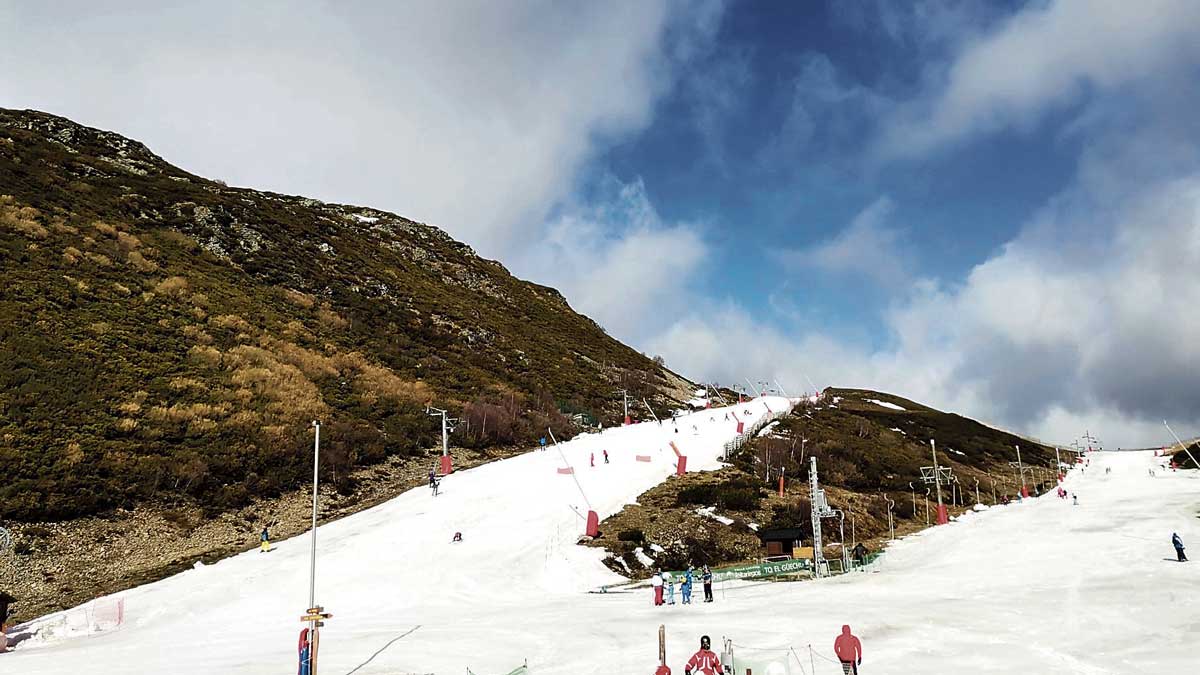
128, 242
101, 260
141, 263
204, 354
127, 424
186, 384
331, 319
123, 290
289, 393
187, 413
299, 298
72, 255
231, 322
73, 454
105, 229
21, 218
197, 335
175, 287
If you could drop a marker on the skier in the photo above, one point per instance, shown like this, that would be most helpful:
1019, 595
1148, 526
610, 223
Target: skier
606, 456
686, 586
656, 582
592, 460
265, 538
1178, 544
704, 661
707, 578
305, 650
670, 588
457, 538
6, 600
432, 477
1075, 499
434, 484
849, 651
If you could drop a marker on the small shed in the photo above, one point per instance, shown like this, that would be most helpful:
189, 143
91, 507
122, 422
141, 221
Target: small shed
780, 542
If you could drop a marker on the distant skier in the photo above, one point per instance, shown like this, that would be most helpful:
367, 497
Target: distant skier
605, 456
704, 661
1178, 544
849, 651
860, 553
434, 485
686, 586
1074, 499
592, 460
5, 601
707, 578
432, 477
457, 538
670, 580
656, 582
265, 538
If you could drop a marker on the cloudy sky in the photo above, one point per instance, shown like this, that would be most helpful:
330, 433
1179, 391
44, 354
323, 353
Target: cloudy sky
989, 207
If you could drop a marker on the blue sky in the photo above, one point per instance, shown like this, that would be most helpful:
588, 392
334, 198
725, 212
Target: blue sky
992, 207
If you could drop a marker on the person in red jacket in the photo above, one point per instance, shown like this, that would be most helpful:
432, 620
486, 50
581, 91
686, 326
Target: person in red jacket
703, 662
849, 651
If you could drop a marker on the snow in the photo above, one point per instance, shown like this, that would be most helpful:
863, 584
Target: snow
711, 512
364, 219
1040, 586
767, 429
697, 402
884, 404
900, 430
640, 554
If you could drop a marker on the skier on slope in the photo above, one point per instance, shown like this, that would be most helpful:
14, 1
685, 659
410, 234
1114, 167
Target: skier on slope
592, 460
1178, 544
849, 651
704, 661
670, 581
707, 578
656, 582
606, 456
686, 586
265, 538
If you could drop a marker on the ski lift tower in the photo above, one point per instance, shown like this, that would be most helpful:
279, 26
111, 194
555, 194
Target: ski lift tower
1021, 468
625, 402
820, 510
937, 475
1092, 441
447, 465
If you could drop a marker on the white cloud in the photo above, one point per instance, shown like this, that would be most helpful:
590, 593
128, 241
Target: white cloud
1046, 56
619, 263
472, 115
866, 248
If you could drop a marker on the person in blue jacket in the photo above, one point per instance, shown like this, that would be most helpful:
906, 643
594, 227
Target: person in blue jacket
686, 586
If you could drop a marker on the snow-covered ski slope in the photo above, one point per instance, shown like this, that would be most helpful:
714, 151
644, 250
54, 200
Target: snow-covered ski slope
1038, 587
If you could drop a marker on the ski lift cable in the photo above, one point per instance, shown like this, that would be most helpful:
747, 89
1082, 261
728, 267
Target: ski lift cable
573, 476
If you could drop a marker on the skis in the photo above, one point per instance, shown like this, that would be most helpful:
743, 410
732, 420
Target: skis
662, 652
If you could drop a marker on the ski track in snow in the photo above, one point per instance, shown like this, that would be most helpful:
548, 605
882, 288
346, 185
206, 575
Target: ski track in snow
1040, 586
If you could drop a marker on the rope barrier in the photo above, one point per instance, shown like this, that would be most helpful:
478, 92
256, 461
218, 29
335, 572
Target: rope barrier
389, 644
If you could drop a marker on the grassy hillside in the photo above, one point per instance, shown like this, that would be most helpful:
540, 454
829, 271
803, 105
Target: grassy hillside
866, 453
168, 339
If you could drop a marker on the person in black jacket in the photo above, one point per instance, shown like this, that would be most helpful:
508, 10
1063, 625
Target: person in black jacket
707, 577
1178, 544
5, 601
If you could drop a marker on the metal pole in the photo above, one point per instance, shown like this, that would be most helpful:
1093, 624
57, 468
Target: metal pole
1185, 448
926, 506
445, 436
312, 563
756, 392
976, 490
781, 389
650, 409
937, 479
891, 521
914, 497
1021, 467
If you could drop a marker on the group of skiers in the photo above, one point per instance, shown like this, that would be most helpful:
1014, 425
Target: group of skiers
664, 581
705, 662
